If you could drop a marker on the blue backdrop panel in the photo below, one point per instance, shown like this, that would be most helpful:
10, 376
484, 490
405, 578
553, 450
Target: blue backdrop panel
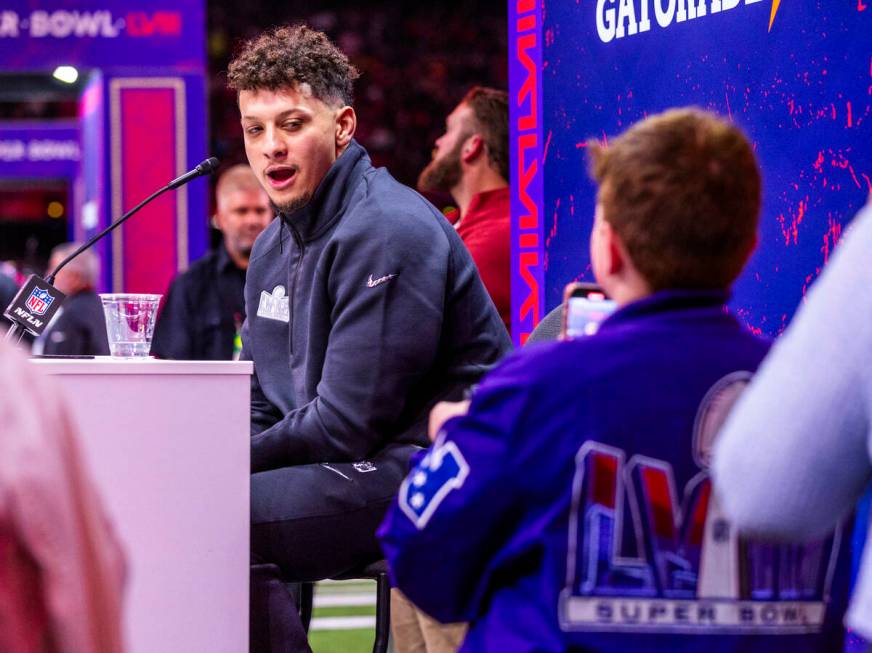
796, 76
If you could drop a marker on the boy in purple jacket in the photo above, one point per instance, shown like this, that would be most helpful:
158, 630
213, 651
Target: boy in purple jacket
570, 508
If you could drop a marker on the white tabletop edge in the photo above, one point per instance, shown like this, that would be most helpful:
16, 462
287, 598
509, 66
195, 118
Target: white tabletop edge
109, 365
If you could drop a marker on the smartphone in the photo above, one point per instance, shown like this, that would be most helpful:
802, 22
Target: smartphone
585, 306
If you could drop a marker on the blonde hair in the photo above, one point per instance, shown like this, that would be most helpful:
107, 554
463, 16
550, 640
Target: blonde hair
238, 177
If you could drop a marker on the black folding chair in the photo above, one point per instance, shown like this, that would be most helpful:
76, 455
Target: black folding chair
377, 571
548, 328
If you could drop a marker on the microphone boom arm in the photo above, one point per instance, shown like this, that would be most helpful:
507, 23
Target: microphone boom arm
51, 277
203, 168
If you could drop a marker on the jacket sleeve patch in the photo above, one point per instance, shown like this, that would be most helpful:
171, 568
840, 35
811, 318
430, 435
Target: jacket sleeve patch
442, 470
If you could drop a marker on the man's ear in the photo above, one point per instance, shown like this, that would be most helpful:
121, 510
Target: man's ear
346, 124
618, 254
473, 146
616, 259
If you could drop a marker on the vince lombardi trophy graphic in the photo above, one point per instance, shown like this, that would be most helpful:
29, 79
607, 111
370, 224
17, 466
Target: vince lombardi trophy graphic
719, 573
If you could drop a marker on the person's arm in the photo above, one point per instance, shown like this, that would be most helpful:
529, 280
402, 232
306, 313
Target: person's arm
388, 292
488, 243
172, 332
793, 456
455, 520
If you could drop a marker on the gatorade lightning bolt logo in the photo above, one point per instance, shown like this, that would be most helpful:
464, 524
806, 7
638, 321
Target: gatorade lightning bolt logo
774, 11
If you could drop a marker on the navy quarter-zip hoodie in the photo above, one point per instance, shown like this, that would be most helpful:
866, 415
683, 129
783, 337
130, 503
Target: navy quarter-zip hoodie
363, 308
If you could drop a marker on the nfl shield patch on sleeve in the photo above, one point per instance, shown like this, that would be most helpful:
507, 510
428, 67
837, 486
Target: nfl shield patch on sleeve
442, 470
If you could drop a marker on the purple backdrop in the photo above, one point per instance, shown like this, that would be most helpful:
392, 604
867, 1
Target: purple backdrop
31, 150
36, 34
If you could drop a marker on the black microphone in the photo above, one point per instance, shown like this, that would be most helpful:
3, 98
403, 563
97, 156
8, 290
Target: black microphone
38, 300
205, 168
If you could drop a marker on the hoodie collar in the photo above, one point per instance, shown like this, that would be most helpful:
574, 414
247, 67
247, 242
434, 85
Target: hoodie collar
331, 195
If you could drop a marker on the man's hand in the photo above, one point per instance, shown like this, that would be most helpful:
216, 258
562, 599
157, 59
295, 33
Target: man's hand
442, 412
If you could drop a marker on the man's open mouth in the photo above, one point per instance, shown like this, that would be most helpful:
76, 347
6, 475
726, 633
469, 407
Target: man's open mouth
281, 176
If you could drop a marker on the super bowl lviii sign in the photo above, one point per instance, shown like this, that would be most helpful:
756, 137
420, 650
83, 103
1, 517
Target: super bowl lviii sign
141, 122
795, 76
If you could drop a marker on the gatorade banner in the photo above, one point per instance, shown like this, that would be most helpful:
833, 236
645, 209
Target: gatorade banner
795, 76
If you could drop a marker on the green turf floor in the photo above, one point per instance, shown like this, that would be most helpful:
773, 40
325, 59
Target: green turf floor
335, 605
341, 641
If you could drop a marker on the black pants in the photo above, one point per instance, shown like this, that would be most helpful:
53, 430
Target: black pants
311, 522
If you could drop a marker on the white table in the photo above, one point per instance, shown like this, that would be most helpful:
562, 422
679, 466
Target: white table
167, 444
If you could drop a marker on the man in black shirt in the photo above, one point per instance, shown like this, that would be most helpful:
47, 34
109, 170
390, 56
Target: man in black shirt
204, 308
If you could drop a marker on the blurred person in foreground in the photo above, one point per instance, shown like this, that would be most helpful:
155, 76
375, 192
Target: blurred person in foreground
79, 326
794, 456
471, 162
61, 567
550, 515
202, 316
363, 310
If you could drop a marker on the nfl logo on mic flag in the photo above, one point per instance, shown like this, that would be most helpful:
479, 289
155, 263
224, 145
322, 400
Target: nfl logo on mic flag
39, 301
34, 305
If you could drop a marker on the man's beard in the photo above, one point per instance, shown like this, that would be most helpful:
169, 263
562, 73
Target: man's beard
286, 208
442, 174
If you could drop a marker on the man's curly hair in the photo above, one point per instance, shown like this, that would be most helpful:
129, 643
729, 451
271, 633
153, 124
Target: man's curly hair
287, 56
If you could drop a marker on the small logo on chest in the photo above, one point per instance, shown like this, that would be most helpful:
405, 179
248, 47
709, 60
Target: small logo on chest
274, 305
372, 283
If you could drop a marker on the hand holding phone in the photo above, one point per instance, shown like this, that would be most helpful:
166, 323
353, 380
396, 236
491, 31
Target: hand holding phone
585, 306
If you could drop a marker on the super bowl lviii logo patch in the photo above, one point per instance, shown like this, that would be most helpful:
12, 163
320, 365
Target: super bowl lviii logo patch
274, 305
38, 301
689, 572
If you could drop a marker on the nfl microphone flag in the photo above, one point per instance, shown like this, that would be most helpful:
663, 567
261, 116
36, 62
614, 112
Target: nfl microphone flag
35, 304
